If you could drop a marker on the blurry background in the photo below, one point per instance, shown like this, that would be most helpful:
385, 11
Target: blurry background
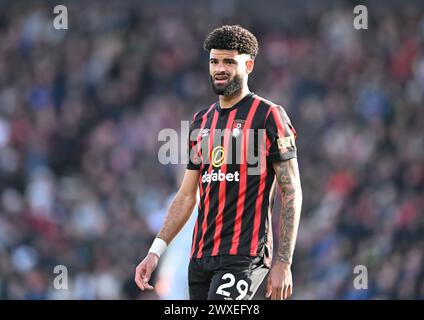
80, 112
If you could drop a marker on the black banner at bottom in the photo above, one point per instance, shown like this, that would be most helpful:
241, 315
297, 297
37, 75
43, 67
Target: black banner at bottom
183, 310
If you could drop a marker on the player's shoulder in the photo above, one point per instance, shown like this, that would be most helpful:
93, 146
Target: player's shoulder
267, 106
199, 114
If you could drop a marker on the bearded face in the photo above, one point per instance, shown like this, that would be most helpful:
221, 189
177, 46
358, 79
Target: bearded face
228, 71
224, 85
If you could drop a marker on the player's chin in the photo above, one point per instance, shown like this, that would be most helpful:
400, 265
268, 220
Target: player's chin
220, 85
219, 90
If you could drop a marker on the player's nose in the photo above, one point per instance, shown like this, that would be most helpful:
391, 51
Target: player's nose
220, 68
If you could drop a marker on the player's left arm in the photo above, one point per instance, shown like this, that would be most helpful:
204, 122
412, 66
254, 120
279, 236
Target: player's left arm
280, 284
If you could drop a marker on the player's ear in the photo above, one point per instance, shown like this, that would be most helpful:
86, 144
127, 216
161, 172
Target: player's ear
250, 63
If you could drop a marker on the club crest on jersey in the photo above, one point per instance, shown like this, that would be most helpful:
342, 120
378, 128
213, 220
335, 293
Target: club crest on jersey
237, 128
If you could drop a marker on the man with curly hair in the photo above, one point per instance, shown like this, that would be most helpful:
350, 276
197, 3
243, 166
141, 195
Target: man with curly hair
231, 251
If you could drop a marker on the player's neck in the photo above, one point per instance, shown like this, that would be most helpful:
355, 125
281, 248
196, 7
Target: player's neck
226, 102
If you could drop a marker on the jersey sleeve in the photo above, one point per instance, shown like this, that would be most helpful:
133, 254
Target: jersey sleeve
193, 156
281, 136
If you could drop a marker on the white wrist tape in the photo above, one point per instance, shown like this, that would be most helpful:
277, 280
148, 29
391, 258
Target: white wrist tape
158, 247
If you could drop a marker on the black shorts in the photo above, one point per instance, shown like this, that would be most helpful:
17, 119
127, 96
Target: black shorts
225, 277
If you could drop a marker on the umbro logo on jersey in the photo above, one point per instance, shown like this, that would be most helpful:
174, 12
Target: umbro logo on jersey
204, 132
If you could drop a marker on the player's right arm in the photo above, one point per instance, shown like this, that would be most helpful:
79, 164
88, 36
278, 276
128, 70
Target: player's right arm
178, 213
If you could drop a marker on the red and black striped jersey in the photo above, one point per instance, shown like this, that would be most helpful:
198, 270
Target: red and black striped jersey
234, 150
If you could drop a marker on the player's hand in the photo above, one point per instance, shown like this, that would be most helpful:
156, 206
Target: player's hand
144, 270
280, 283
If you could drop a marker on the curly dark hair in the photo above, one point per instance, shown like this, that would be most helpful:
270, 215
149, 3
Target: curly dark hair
232, 38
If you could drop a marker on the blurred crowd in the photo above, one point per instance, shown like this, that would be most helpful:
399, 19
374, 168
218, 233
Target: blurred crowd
80, 112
